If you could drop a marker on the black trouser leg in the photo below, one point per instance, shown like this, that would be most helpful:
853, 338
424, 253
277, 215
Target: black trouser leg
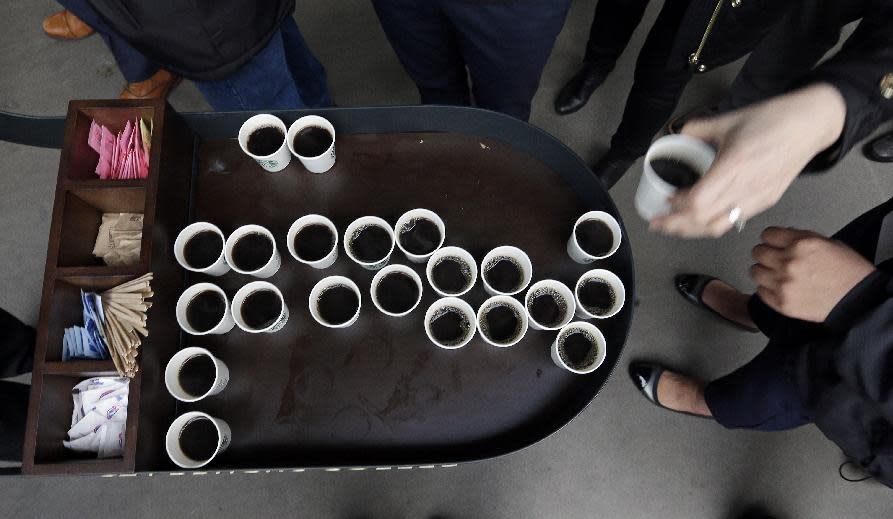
16, 346
13, 414
612, 27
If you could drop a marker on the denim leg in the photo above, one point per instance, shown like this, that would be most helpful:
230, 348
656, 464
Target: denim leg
307, 72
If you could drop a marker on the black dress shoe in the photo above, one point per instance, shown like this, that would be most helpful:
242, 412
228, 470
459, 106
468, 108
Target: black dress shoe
880, 149
611, 168
645, 376
692, 286
576, 92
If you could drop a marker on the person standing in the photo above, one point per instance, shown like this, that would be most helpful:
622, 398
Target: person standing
501, 46
16, 358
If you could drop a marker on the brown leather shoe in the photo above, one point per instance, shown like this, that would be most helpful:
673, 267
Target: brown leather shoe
157, 86
66, 26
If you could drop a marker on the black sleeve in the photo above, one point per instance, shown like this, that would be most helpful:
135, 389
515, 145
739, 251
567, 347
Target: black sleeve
857, 71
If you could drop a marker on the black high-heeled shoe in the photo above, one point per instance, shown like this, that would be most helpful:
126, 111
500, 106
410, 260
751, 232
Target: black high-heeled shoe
692, 286
645, 376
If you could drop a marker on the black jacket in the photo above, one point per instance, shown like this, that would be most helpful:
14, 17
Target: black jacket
199, 39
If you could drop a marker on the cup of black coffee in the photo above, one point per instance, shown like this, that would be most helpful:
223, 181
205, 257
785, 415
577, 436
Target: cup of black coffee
199, 248
195, 438
502, 321
579, 348
396, 290
194, 373
550, 305
203, 309
672, 162
259, 307
313, 240
251, 249
596, 235
335, 302
600, 294
262, 137
506, 270
420, 233
312, 140
451, 271
450, 323
369, 241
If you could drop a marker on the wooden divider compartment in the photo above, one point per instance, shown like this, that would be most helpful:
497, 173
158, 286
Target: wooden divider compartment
78, 159
82, 216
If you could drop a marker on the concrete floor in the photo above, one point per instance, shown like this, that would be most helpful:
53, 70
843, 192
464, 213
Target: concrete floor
622, 458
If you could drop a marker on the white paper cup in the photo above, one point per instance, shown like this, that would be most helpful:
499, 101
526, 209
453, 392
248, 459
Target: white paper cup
239, 303
269, 268
321, 287
653, 193
560, 292
502, 300
458, 254
226, 322
591, 331
360, 223
611, 279
320, 163
415, 214
448, 304
313, 219
513, 253
219, 267
172, 440
573, 245
275, 161
390, 269
172, 374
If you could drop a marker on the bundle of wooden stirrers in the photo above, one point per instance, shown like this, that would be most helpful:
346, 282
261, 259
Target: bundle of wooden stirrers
124, 308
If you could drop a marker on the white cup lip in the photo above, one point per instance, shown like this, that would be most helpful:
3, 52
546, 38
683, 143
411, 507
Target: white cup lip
608, 220
516, 253
369, 220
325, 283
599, 339
173, 436
451, 251
171, 375
302, 222
403, 269
613, 280
562, 289
701, 149
187, 296
304, 122
463, 307
247, 290
237, 235
186, 234
510, 301
409, 216
256, 121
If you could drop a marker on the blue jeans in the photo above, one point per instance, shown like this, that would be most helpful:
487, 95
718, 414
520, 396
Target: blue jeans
284, 75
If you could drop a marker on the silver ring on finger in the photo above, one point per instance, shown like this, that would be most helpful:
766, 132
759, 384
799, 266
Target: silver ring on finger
736, 218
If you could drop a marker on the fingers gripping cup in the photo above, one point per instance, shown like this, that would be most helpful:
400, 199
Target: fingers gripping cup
672, 162
262, 138
194, 373
450, 323
419, 232
203, 309
550, 305
579, 348
506, 270
259, 307
312, 140
199, 248
396, 290
335, 302
313, 240
596, 235
369, 241
502, 321
196, 438
451, 271
251, 249
600, 294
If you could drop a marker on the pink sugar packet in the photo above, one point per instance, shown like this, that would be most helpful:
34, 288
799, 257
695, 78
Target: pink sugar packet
106, 150
94, 138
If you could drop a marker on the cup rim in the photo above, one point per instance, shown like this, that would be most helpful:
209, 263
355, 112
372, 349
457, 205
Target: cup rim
186, 234
612, 279
304, 122
317, 290
445, 252
236, 235
170, 376
511, 301
419, 213
368, 220
247, 290
463, 307
243, 134
183, 302
609, 220
560, 287
388, 270
665, 188
180, 422
507, 250
599, 339
304, 221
